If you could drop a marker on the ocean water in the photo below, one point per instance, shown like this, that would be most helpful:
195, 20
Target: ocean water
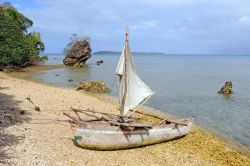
185, 85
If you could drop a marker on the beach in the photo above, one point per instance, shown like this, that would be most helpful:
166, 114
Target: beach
45, 137
168, 84
184, 85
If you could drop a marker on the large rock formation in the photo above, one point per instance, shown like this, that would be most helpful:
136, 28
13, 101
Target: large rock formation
78, 53
94, 86
227, 89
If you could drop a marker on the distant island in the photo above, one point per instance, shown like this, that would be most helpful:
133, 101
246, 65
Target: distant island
118, 52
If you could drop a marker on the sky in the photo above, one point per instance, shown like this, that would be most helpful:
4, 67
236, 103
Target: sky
169, 26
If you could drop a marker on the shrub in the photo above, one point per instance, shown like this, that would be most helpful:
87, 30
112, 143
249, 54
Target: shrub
17, 46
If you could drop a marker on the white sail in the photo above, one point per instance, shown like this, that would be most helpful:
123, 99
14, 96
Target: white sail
132, 90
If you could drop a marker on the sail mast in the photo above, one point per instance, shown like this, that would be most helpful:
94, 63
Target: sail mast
125, 74
132, 90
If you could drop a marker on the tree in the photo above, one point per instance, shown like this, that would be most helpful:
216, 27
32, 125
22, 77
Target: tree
17, 46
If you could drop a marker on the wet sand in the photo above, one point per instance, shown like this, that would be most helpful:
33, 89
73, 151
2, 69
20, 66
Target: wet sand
27, 72
45, 138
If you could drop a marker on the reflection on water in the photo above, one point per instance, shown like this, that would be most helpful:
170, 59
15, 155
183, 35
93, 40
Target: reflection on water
62, 76
185, 85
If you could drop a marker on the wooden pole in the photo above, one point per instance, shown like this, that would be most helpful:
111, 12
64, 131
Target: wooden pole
92, 111
154, 116
78, 116
125, 73
163, 119
71, 117
98, 118
110, 121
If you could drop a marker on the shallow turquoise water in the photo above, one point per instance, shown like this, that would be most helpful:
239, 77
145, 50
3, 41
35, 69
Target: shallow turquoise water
185, 85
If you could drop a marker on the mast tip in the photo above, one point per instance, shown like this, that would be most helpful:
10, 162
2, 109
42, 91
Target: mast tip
126, 33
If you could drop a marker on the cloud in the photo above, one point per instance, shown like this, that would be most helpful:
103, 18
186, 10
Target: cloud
192, 26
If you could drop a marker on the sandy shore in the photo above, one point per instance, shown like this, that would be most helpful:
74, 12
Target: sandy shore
44, 138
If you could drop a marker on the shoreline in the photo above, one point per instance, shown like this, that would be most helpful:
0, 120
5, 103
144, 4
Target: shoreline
31, 70
198, 147
27, 72
229, 143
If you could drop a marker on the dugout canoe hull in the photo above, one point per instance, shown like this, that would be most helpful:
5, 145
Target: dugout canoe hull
99, 136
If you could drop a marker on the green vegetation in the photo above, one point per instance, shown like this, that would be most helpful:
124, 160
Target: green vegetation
17, 46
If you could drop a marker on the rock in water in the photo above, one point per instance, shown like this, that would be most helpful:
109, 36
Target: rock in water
99, 62
94, 86
78, 54
227, 89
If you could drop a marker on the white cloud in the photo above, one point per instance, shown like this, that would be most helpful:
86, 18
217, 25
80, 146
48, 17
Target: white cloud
182, 21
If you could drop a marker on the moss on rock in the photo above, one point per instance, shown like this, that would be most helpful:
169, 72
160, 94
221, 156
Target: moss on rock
93, 86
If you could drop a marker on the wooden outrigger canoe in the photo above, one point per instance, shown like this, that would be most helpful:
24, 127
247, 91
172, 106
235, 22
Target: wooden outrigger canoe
107, 132
100, 136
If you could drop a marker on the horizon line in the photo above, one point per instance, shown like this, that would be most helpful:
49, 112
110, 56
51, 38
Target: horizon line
212, 54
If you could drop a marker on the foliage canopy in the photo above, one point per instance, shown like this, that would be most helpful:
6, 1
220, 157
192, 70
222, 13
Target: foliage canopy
17, 46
